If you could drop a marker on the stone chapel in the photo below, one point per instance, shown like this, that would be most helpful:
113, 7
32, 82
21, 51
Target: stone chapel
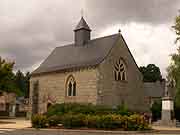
100, 71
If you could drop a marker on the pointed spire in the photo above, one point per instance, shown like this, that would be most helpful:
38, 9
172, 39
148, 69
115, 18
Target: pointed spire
82, 33
82, 25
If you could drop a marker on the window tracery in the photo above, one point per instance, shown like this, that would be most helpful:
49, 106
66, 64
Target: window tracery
120, 71
71, 86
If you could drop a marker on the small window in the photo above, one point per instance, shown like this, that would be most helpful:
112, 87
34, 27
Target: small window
71, 86
120, 71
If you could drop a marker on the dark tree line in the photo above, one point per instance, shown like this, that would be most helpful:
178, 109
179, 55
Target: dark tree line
151, 73
13, 82
22, 82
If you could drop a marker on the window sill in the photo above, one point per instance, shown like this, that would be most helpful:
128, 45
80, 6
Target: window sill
121, 81
71, 96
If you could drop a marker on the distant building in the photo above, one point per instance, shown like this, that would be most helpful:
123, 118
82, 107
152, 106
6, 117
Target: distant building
100, 71
7, 100
11, 105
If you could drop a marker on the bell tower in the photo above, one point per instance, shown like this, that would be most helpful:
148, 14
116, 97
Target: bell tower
82, 33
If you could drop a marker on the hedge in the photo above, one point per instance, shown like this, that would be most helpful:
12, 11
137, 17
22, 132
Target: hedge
108, 121
39, 121
61, 109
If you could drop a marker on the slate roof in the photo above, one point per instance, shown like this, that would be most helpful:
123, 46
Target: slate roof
71, 56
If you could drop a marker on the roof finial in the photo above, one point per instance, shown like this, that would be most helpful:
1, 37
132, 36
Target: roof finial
82, 12
119, 30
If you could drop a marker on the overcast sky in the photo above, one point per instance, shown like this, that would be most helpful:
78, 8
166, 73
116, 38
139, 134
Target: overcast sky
31, 29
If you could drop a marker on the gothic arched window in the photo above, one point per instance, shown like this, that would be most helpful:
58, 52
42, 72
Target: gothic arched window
71, 86
120, 71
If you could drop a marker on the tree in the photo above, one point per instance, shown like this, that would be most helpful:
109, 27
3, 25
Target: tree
176, 28
10, 82
174, 68
22, 82
156, 110
151, 73
7, 77
27, 83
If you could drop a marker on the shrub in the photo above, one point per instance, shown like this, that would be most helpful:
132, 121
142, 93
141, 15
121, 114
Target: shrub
54, 120
133, 122
60, 109
156, 110
73, 121
107, 122
91, 121
123, 110
57, 109
39, 121
137, 122
102, 110
91, 116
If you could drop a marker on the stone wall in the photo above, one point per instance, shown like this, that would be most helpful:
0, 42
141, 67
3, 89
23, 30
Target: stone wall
52, 88
95, 85
113, 92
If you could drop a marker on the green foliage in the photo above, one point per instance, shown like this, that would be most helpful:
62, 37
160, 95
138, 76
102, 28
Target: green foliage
39, 121
176, 28
107, 121
7, 78
151, 73
174, 68
73, 121
137, 122
91, 121
123, 110
10, 82
22, 82
156, 110
27, 84
73, 115
174, 74
54, 120
60, 109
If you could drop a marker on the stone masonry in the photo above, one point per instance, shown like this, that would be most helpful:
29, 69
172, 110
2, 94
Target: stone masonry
52, 88
95, 85
129, 92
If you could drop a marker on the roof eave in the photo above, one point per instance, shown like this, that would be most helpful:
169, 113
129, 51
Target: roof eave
63, 70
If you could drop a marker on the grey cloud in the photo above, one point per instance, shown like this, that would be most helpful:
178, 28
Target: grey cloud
29, 30
144, 11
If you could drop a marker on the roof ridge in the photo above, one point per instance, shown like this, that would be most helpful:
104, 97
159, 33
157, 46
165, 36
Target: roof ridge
92, 40
63, 46
104, 37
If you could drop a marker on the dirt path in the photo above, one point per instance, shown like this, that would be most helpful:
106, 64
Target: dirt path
19, 123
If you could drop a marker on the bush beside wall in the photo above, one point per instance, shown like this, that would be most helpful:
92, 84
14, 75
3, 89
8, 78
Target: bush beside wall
90, 116
110, 121
39, 121
60, 109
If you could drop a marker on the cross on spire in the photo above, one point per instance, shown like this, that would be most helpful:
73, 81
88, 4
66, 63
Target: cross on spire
82, 12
